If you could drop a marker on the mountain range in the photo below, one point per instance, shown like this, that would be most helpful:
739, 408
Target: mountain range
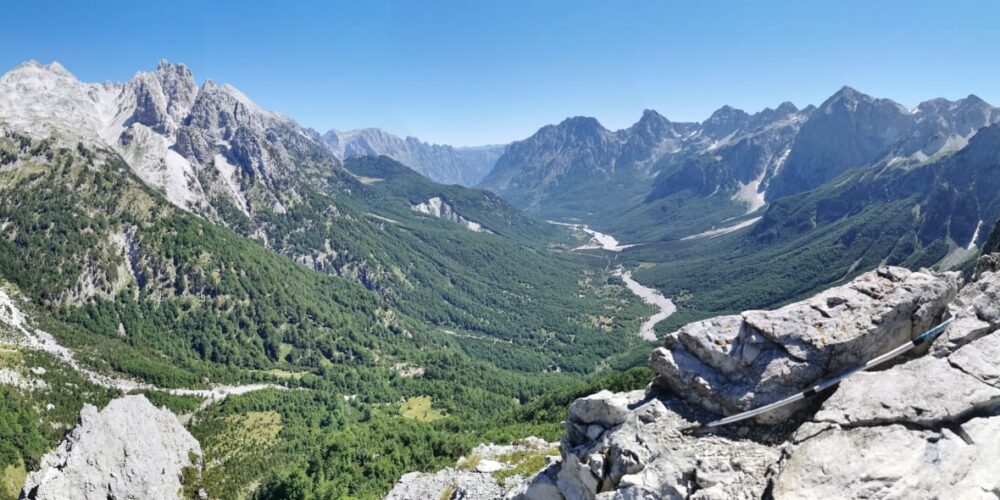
580, 169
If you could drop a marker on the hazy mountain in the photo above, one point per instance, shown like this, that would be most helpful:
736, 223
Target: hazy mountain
578, 164
444, 164
659, 179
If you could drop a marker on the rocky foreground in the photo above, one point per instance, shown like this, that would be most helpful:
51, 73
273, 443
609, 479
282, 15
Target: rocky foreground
927, 426
129, 449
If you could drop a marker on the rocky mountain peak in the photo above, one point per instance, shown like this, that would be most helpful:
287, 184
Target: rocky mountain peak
786, 108
651, 117
582, 126
724, 121
34, 67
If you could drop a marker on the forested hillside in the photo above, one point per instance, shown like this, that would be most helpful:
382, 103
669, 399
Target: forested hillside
143, 289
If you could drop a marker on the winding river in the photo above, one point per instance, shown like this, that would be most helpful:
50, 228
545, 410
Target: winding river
651, 296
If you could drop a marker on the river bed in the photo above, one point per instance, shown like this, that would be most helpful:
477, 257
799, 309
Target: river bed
651, 296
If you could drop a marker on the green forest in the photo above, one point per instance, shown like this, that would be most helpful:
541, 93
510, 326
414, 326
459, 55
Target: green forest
493, 333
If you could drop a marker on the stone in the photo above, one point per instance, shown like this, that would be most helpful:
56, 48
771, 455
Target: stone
926, 391
647, 456
605, 408
479, 482
734, 363
894, 462
975, 312
541, 486
129, 449
488, 466
594, 431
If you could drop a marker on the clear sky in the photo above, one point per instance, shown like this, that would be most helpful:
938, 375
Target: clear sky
477, 71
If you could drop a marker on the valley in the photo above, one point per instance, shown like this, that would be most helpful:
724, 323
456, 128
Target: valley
648, 295
328, 298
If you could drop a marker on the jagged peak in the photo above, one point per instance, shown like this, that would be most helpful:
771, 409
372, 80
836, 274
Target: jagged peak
727, 113
652, 115
179, 69
787, 107
848, 92
972, 100
851, 98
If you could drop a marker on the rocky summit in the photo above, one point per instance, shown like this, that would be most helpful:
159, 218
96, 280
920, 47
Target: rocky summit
926, 426
129, 449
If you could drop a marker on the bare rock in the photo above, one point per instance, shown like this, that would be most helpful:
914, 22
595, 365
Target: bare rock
605, 408
733, 363
927, 391
894, 462
975, 313
647, 456
130, 449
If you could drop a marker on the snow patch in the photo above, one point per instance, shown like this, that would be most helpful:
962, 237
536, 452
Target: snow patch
975, 236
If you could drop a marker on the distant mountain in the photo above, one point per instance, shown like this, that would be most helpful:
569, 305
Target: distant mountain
660, 179
578, 164
851, 129
444, 164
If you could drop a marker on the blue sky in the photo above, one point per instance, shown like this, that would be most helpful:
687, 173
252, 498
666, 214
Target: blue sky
478, 72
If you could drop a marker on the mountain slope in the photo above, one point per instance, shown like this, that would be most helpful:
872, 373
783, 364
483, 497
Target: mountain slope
444, 164
140, 288
852, 129
263, 176
918, 214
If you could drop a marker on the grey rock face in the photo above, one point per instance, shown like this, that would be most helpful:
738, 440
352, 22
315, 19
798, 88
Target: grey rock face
129, 449
579, 153
733, 363
605, 409
440, 208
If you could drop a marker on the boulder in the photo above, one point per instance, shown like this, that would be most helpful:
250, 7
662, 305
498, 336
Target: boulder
474, 478
130, 449
734, 363
605, 409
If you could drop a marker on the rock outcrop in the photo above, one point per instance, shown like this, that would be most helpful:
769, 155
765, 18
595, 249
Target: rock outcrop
928, 426
730, 364
490, 471
130, 449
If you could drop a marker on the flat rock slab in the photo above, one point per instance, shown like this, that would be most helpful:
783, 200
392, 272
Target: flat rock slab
894, 462
927, 391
